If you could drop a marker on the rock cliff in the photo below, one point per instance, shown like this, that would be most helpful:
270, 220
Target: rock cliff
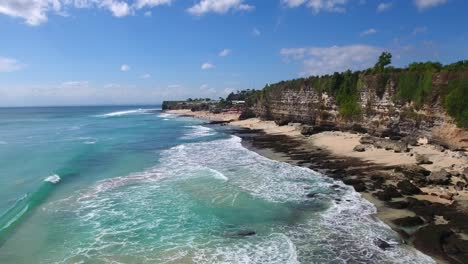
382, 111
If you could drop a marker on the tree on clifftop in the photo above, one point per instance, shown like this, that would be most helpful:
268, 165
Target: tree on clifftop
384, 60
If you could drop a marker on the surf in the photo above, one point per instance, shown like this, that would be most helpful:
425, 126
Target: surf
139, 111
23, 206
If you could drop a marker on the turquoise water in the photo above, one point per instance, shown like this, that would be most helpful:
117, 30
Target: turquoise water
134, 185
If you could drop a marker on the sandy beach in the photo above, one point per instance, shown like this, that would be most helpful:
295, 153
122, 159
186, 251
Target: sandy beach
333, 153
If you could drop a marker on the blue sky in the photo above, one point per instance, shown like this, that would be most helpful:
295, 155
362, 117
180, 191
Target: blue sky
87, 52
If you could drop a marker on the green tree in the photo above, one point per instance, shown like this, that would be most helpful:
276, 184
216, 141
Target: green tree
384, 59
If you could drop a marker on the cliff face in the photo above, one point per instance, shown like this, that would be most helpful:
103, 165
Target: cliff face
381, 113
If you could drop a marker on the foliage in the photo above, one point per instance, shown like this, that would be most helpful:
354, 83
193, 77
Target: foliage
456, 101
385, 59
413, 84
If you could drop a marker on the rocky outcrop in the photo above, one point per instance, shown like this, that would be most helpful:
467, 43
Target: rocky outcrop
381, 113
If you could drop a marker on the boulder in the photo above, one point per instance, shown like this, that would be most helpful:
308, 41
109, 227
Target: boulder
352, 181
413, 172
407, 188
367, 140
382, 244
422, 159
359, 148
307, 130
398, 204
360, 187
409, 221
388, 193
282, 122
459, 186
439, 177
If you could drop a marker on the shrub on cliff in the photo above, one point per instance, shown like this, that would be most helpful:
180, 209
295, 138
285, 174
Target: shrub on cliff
456, 101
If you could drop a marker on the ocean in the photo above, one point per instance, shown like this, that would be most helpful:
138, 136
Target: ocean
135, 185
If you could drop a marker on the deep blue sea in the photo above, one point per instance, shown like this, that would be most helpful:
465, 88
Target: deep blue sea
134, 185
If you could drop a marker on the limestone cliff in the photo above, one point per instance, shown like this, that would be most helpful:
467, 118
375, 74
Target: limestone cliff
381, 110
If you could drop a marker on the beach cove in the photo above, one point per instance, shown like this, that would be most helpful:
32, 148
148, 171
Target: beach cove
420, 216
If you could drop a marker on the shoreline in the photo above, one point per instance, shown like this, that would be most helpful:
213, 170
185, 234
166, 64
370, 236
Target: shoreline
434, 219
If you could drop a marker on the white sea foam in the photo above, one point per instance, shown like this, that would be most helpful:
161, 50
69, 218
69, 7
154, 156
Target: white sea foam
164, 198
218, 175
198, 132
167, 116
53, 179
139, 111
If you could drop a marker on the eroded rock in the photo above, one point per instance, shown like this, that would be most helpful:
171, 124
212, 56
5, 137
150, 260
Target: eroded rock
407, 188
439, 177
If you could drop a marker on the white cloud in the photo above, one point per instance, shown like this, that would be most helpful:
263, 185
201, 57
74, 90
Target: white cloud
218, 6
148, 14
207, 66
35, 12
124, 68
151, 3
382, 7
145, 76
325, 60
224, 53
425, 4
256, 32
319, 5
9, 65
370, 31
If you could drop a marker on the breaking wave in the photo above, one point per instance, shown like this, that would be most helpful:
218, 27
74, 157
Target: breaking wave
138, 111
180, 212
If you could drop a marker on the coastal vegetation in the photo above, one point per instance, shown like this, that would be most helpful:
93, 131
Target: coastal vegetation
419, 84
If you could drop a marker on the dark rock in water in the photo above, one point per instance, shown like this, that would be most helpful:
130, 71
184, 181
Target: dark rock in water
245, 233
430, 239
387, 194
360, 187
398, 204
311, 195
403, 234
439, 177
409, 221
352, 181
360, 148
407, 188
382, 244
422, 159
